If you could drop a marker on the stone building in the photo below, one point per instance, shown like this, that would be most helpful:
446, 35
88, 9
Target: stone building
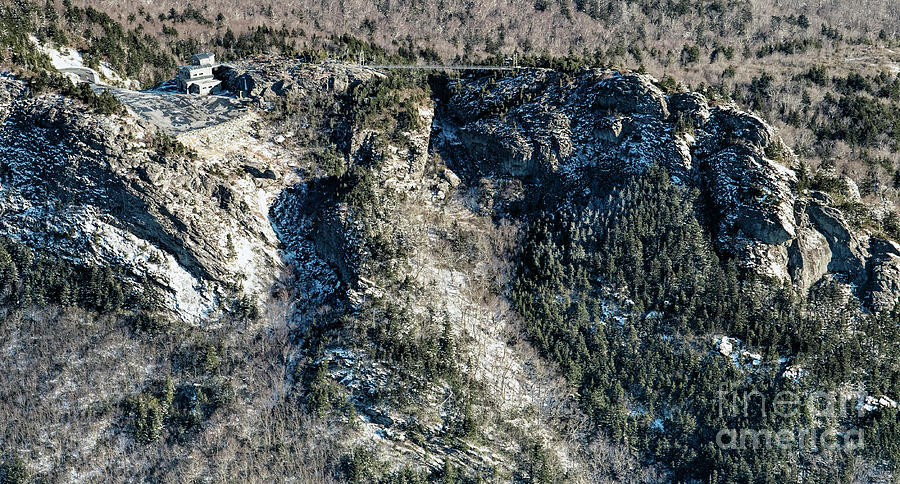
198, 77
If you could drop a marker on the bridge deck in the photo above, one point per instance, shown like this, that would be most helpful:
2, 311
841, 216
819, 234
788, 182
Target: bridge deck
437, 67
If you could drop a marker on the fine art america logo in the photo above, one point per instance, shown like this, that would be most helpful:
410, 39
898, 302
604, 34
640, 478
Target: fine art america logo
823, 411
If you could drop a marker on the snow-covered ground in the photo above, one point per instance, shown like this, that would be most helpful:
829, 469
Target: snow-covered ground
63, 58
67, 58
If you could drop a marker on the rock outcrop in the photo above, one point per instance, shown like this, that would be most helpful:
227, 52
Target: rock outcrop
540, 126
883, 274
97, 189
849, 252
599, 126
809, 255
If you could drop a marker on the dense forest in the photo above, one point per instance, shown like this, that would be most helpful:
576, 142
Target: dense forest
645, 365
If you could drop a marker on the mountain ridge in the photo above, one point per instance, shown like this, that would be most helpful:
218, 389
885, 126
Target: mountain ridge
379, 220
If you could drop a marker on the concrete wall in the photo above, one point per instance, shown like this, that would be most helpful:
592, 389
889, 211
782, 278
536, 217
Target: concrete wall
194, 72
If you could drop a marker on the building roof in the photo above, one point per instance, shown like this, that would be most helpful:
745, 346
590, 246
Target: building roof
203, 58
193, 67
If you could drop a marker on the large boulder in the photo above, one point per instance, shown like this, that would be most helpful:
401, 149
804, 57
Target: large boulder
728, 125
689, 106
883, 271
501, 147
753, 195
848, 252
809, 257
246, 84
629, 94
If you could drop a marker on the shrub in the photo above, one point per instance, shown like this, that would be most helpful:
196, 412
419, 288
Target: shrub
148, 322
147, 415
165, 146
13, 471
324, 393
359, 465
690, 54
817, 74
103, 103
891, 226
244, 308
29, 277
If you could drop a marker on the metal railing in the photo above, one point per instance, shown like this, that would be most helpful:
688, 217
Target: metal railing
438, 67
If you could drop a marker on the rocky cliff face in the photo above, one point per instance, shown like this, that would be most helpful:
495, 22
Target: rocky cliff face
206, 220
598, 127
99, 189
415, 228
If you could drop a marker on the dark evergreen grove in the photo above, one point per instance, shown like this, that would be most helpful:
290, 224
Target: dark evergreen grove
29, 278
626, 295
